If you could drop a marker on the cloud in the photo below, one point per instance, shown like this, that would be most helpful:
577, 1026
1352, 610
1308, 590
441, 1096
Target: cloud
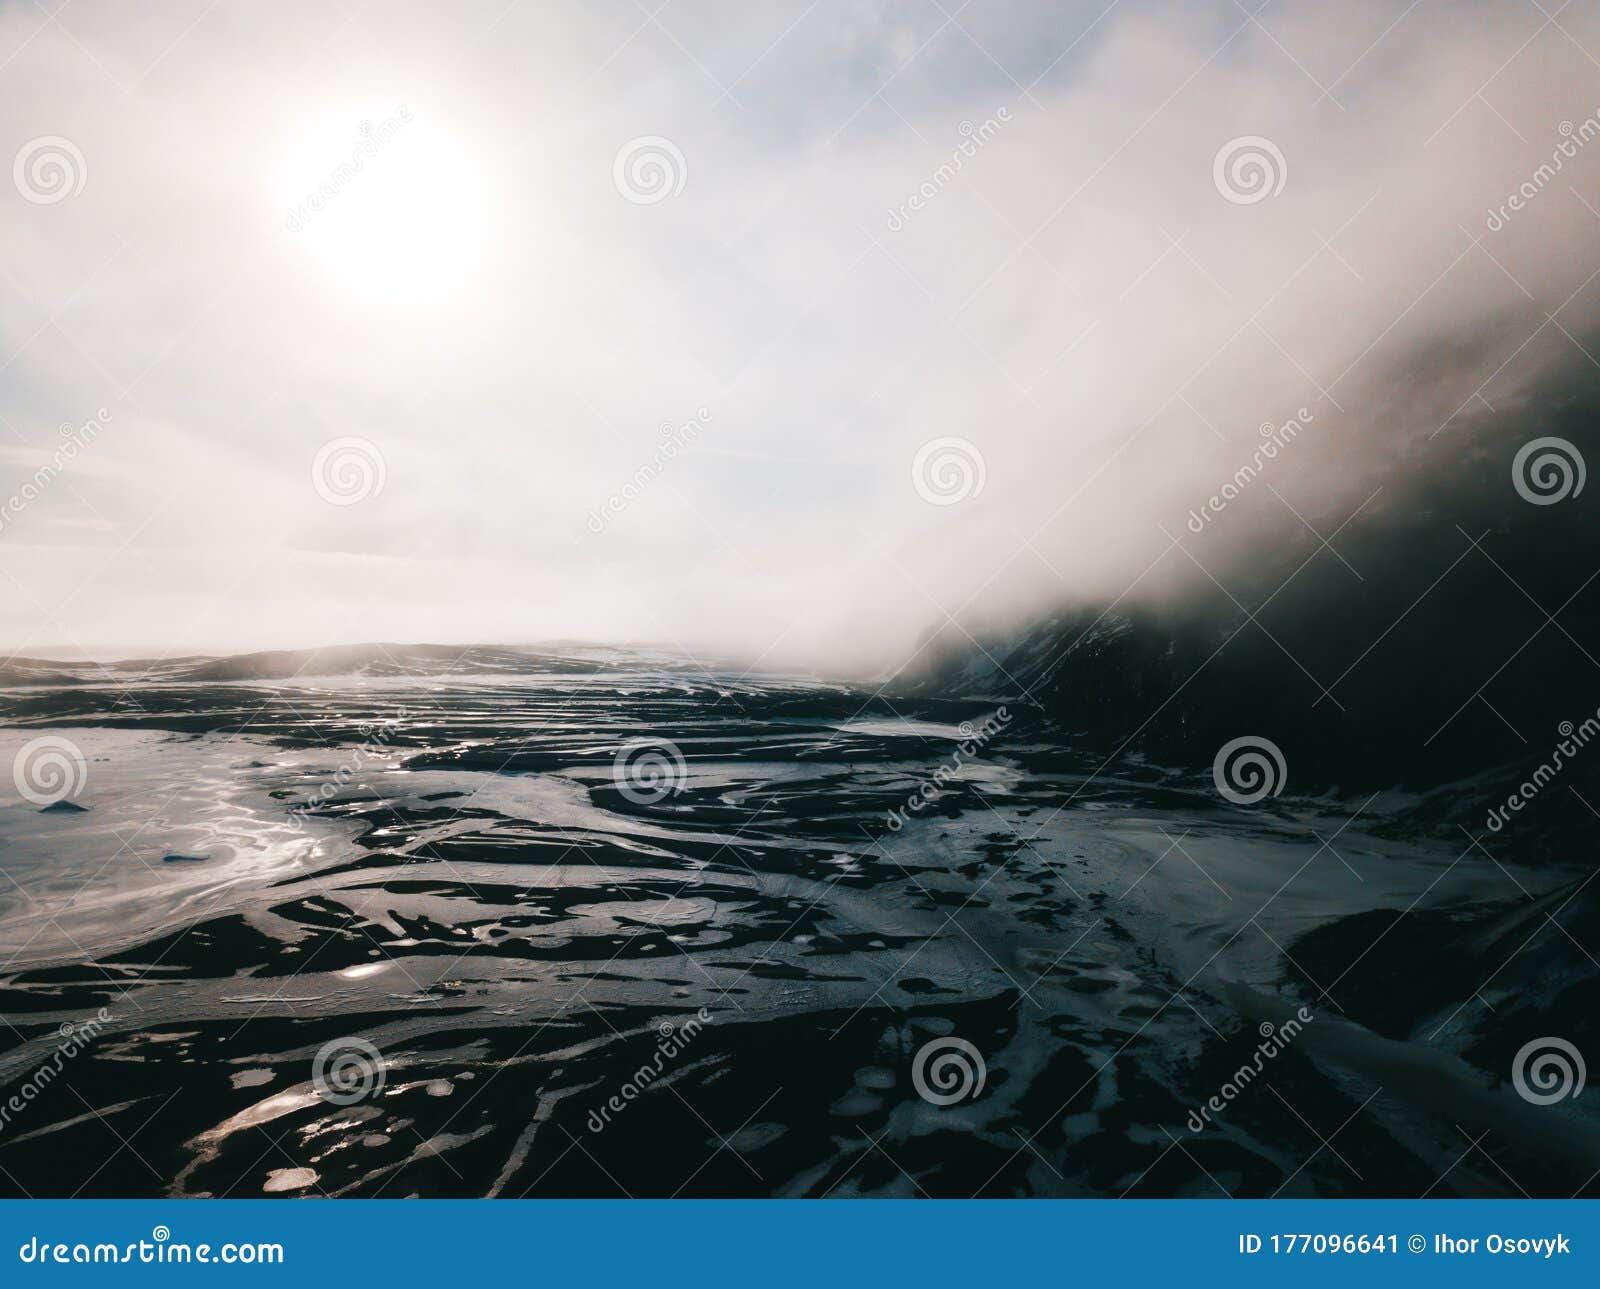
1072, 294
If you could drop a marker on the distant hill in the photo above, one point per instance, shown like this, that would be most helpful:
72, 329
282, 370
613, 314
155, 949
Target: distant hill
377, 659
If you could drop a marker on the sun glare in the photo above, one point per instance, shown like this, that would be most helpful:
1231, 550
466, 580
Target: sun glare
386, 206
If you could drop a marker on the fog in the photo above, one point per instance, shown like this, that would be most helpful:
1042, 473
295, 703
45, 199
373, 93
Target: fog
683, 393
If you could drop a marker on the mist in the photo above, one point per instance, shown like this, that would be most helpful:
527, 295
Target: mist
431, 397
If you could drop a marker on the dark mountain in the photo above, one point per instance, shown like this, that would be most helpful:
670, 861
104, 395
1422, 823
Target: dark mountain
1446, 639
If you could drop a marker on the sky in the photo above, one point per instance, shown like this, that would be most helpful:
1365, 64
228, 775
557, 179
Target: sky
789, 330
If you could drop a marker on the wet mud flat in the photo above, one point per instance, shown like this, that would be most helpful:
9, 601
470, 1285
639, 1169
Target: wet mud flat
635, 929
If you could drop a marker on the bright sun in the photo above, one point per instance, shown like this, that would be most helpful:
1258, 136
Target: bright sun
388, 206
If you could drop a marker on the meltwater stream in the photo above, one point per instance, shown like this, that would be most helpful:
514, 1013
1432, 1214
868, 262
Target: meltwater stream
421, 935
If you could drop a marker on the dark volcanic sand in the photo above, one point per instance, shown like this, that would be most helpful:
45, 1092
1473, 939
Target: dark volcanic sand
516, 938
